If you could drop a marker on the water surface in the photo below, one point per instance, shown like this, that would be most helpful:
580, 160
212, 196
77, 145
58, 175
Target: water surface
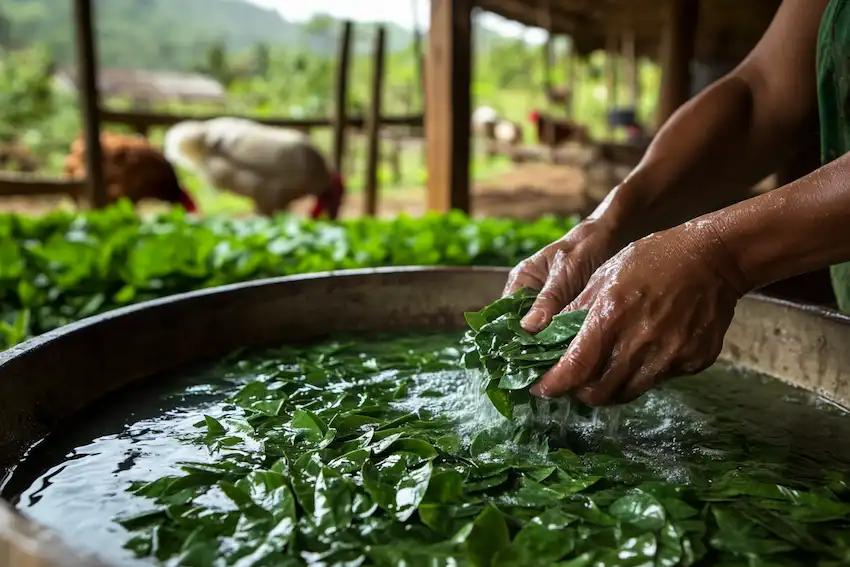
76, 480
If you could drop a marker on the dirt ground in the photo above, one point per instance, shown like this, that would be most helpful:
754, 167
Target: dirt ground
526, 192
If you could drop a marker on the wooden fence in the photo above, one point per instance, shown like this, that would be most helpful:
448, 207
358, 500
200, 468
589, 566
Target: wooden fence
94, 115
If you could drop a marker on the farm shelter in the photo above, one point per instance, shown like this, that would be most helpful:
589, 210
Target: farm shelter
150, 87
676, 33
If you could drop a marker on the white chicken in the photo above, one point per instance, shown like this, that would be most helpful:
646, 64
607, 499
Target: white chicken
484, 118
507, 132
273, 166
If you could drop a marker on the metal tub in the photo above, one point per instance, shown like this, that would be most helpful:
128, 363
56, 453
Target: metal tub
49, 379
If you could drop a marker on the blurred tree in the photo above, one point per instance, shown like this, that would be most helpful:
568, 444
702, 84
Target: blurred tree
262, 60
321, 25
5, 31
26, 90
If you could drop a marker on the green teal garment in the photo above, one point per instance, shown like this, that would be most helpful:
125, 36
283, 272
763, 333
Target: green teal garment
833, 62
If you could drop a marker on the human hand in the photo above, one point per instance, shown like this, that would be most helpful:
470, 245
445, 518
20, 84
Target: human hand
659, 308
560, 270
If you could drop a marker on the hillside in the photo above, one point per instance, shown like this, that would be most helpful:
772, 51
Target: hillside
172, 33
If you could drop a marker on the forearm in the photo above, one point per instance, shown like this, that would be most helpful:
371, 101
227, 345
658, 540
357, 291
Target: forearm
707, 156
796, 229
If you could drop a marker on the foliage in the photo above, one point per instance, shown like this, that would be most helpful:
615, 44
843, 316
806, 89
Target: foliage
335, 456
64, 267
26, 93
512, 358
146, 33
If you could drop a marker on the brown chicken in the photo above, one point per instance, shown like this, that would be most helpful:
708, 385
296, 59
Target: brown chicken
562, 129
132, 169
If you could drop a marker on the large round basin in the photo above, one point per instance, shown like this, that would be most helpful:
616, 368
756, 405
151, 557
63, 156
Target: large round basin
49, 379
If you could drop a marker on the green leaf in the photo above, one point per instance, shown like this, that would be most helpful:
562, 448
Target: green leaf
332, 502
488, 537
640, 509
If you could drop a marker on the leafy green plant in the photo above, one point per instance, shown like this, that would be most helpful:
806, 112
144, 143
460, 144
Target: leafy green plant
336, 456
64, 267
26, 91
512, 358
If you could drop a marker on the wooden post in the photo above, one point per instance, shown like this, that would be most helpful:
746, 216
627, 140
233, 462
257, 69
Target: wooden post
88, 91
448, 84
677, 50
373, 125
341, 96
610, 79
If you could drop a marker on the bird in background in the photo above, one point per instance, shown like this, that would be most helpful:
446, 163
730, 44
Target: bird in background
271, 165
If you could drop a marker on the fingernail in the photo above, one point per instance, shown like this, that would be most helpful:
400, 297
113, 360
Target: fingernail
533, 320
537, 390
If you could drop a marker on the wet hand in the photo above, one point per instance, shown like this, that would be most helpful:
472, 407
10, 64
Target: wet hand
658, 309
560, 270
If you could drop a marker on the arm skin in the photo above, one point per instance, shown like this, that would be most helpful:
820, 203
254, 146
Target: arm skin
661, 306
729, 137
793, 230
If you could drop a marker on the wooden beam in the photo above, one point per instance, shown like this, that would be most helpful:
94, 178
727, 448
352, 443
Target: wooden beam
142, 121
17, 184
88, 89
373, 128
677, 50
447, 119
341, 95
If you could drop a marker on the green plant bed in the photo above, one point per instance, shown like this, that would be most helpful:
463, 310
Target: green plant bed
63, 267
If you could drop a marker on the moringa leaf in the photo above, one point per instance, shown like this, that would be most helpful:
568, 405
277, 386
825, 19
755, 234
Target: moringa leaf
511, 358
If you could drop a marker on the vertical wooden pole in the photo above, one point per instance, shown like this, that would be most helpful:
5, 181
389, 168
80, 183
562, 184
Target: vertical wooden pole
448, 82
341, 96
88, 91
677, 50
373, 126
611, 61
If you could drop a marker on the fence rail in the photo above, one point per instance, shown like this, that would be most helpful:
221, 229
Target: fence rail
143, 121
17, 184
12, 184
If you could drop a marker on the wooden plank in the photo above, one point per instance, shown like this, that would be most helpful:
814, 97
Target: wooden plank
447, 120
89, 103
141, 121
341, 96
16, 184
373, 129
677, 50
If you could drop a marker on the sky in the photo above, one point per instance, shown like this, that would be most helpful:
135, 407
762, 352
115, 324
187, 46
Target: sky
396, 11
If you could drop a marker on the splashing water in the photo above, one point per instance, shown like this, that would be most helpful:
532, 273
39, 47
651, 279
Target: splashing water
75, 481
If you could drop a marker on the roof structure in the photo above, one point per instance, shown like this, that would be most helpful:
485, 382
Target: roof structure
152, 86
727, 29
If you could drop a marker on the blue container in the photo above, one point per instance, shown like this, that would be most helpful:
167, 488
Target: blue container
622, 117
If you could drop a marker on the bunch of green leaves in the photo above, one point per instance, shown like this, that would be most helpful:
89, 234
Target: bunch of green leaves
63, 267
339, 454
512, 358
